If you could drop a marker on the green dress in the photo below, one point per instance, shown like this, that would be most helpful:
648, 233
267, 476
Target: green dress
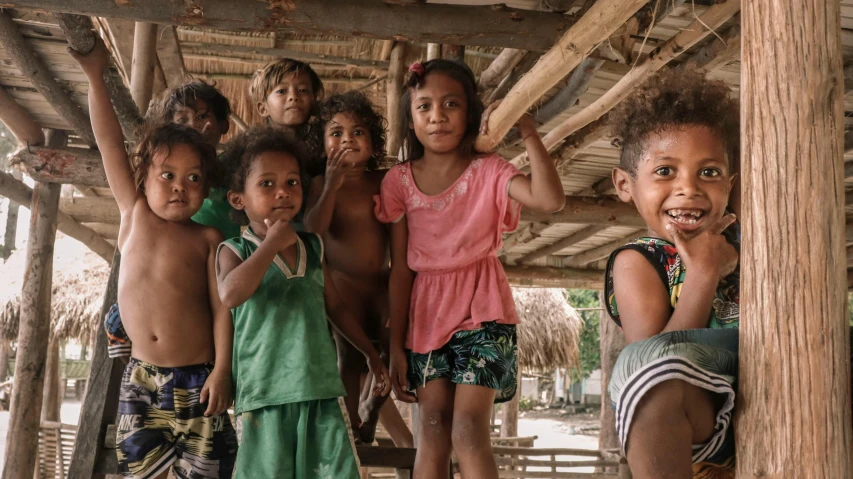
216, 212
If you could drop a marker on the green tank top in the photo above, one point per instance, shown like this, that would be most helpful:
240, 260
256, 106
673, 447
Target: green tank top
216, 212
283, 348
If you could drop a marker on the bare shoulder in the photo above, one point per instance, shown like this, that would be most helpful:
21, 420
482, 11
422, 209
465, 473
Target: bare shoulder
212, 236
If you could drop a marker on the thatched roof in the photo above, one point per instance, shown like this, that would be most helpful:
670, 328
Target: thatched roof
549, 332
79, 282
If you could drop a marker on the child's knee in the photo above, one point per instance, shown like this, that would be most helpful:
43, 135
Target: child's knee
435, 423
470, 432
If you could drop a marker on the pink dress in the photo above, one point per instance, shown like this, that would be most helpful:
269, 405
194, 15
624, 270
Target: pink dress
453, 241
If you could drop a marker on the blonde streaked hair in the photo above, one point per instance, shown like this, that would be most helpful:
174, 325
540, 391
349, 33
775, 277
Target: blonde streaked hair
265, 79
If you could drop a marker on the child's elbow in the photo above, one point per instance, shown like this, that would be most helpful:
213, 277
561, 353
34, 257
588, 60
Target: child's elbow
557, 203
229, 297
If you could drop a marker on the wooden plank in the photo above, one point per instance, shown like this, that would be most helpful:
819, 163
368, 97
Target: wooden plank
554, 277
33, 329
500, 67
76, 166
392, 457
22, 195
415, 22
793, 299
101, 402
590, 210
563, 243
585, 35
171, 58
92, 209
710, 20
32, 67
597, 252
19, 121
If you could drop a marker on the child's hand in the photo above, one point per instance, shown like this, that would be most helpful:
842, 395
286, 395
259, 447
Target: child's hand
399, 382
708, 252
381, 382
216, 392
526, 125
95, 62
280, 234
336, 168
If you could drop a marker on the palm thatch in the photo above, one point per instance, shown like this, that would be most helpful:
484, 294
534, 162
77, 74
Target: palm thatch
79, 281
549, 333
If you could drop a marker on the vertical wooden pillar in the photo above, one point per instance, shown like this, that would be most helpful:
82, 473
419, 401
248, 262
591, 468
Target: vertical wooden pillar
396, 73
4, 359
509, 414
10, 235
611, 341
52, 401
794, 382
34, 329
433, 51
142, 68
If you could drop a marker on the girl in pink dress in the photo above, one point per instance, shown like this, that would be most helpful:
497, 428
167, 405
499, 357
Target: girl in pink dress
452, 316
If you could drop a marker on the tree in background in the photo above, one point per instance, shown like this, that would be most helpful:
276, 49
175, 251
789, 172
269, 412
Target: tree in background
8, 144
590, 347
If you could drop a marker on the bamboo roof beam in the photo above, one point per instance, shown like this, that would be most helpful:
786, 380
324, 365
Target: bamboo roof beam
703, 26
524, 235
19, 121
576, 237
170, 56
599, 252
594, 27
75, 166
230, 50
500, 67
418, 22
41, 77
76, 29
101, 209
554, 277
590, 210
505, 85
22, 194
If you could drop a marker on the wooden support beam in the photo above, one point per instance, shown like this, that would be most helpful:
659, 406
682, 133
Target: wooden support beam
342, 80
19, 121
590, 210
564, 243
524, 235
709, 21
231, 50
793, 299
142, 66
505, 85
101, 209
420, 22
22, 194
611, 342
601, 187
500, 67
372, 82
62, 165
33, 329
555, 277
587, 33
433, 51
385, 51
170, 56
576, 143
393, 90
41, 77
597, 253
76, 29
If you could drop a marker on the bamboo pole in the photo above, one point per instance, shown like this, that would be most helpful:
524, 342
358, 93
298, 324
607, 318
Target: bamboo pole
396, 72
586, 34
41, 77
794, 333
703, 26
554, 277
33, 330
52, 401
19, 121
500, 67
573, 238
598, 252
433, 51
590, 210
142, 67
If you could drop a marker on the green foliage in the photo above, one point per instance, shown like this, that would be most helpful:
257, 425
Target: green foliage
590, 352
525, 404
8, 144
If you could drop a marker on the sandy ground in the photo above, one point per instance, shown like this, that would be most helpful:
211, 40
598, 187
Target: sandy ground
554, 428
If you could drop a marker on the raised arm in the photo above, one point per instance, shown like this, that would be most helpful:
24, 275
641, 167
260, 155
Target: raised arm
106, 126
543, 190
324, 190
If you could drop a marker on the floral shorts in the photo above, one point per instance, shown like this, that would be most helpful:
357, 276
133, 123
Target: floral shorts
483, 357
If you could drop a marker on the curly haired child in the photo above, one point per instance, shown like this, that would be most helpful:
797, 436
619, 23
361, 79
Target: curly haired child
675, 291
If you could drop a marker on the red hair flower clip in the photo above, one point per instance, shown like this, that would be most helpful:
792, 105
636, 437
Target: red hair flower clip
417, 69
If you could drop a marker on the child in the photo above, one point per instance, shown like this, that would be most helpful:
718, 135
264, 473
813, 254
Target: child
286, 93
203, 108
677, 288
340, 208
453, 336
181, 333
275, 282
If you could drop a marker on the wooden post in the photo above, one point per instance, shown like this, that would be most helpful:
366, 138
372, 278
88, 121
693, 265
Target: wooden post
33, 329
52, 381
396, 72
4, 359
433, 51
611, 341
509, 413
794, 382
142, 69
10, 234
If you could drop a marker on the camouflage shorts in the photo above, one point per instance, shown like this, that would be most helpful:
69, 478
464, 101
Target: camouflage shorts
483, 357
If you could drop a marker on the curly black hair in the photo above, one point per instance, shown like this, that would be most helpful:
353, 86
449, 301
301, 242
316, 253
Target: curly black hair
241, 153
156, 137
675, 98
353, 103
184, 95
414, 79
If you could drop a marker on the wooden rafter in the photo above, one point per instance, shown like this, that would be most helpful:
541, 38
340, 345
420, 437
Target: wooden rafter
40, 76
554, 277
524, 235
19, 121
232, 50
583, 37
703, 26
573, 238
500, 67
142, 66
419, 22
22, 194
594, 254
170, 55
590, 211
76, 166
